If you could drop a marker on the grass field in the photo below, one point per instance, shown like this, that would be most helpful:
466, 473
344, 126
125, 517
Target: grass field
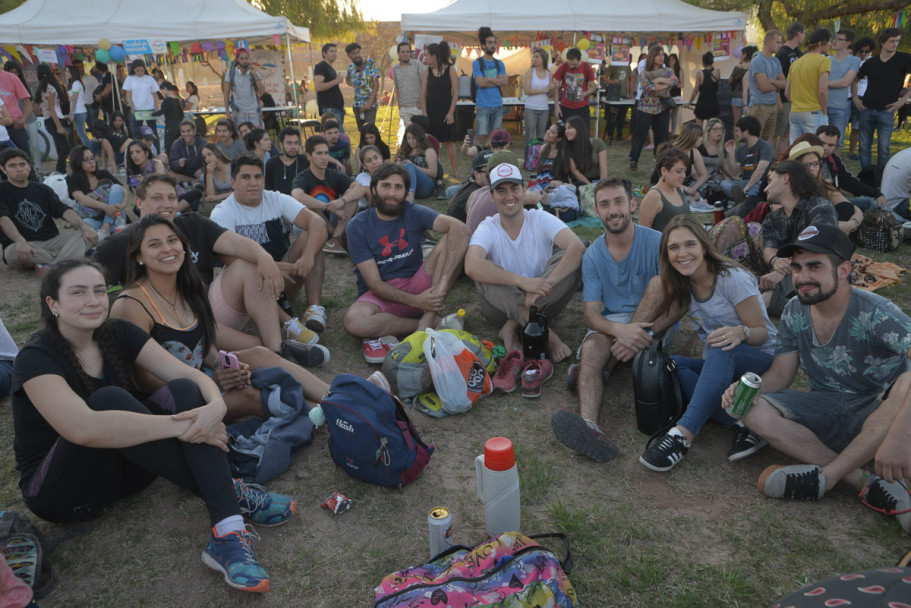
698, 536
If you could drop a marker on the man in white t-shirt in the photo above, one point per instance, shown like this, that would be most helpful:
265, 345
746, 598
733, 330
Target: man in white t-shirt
266, 217
512, 261
140, 90
408, 76
896, 184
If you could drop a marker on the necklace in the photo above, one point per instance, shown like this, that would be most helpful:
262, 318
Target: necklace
165, 300
285, 169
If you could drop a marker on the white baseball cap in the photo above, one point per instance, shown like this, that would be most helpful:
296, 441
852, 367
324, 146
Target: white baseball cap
505, 173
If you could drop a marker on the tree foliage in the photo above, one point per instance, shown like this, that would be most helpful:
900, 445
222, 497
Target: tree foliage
8, 5
864, 15
324, 18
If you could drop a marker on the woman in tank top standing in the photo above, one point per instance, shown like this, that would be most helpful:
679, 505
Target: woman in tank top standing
538, 91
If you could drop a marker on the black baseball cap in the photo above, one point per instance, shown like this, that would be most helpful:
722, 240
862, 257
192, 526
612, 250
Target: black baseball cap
480, 161
824, 238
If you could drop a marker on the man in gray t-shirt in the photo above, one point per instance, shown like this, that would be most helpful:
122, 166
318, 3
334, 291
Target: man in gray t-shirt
408, 76
854, 348
242, 89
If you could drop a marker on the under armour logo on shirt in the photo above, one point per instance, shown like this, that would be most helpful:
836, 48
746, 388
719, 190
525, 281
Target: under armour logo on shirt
399, 244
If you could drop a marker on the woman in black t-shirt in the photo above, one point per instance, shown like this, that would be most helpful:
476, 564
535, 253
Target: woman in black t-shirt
83, 441
98, 192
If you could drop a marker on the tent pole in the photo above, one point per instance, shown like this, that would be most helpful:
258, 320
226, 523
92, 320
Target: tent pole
291, 66
310, 46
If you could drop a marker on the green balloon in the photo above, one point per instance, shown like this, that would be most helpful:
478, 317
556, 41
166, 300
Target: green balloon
102, 56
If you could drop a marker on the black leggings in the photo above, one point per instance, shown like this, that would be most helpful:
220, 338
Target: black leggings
76, 482
658, 123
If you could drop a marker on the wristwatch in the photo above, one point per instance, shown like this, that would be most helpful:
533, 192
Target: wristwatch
746, 333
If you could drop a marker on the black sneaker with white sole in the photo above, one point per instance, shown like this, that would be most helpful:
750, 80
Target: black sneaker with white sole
665, 453
889, 499
307, 355
746, 443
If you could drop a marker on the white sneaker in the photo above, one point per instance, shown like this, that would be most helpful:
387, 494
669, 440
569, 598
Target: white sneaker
315, 318
296, 331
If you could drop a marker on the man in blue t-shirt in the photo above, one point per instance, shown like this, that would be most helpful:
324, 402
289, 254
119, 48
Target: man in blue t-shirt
398, 290
489, 75
854, 348
766, 79
622, 297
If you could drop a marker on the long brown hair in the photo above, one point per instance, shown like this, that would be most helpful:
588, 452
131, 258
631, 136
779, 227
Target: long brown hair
675, 288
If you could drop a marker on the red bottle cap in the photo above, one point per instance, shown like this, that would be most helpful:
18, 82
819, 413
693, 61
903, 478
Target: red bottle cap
498, 454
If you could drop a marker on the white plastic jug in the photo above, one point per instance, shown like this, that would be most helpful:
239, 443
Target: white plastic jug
498, 486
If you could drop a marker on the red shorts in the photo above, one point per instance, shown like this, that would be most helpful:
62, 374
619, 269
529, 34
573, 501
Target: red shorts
417, 283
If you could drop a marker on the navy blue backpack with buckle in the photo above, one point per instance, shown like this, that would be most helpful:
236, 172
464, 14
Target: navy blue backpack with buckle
370, 436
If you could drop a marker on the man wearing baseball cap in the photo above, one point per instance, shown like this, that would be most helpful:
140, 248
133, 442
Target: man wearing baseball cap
242, 88
854, 348
500, 139
511, 259
481, 206
808, 86
475, 183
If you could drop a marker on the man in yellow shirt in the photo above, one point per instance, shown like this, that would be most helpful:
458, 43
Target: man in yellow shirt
808, 86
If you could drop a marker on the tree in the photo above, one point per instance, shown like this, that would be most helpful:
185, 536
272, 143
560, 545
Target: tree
778, 14
324, 18
8, 5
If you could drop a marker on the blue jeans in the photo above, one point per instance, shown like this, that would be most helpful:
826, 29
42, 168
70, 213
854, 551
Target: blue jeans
115, 197
727, 184
806, 122
704, 391
839, 116
882, 122
339, 114
489, 119
79, 122
421, 184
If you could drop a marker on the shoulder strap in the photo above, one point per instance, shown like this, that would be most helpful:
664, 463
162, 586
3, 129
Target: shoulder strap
129, 297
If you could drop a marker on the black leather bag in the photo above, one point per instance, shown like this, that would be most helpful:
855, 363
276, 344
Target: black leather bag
658, 397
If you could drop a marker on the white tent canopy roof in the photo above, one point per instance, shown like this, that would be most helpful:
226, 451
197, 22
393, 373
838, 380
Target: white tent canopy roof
84, 22
574, 16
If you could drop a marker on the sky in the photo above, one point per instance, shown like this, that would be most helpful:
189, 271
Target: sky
391, 10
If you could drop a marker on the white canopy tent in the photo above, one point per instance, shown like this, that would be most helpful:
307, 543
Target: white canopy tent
670, 17
83, 22
615, 16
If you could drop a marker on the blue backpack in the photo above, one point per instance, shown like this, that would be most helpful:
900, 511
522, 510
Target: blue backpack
370, 436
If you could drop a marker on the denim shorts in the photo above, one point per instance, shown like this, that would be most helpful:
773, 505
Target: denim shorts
835, 418
489, 119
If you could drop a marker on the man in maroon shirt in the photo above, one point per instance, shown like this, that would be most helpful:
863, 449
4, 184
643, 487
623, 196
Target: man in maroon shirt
576, 80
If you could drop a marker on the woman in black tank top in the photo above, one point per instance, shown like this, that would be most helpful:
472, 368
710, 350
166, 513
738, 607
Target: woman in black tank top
166, 297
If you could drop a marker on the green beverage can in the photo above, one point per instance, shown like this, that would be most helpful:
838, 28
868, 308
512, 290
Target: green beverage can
746, 391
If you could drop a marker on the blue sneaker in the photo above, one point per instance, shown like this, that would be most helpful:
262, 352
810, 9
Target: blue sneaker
261, 507
232, 555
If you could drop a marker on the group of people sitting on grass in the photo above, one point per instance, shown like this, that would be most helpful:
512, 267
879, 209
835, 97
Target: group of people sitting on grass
102, 406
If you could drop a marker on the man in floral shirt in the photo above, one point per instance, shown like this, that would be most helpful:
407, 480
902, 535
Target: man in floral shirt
853, 347
364, 76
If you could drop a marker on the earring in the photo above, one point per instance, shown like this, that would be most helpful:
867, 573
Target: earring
56, 314
141, 263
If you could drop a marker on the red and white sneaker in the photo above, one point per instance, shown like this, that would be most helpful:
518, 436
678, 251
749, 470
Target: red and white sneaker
375, 350
508, 372
535, 373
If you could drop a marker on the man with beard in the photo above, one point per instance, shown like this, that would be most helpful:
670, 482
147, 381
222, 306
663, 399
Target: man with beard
512, 261
282, 169
399, 291
854, 348
242, 90
797, 192
620, 299
364, 76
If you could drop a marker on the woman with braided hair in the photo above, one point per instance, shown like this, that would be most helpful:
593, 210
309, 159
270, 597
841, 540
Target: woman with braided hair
83, 440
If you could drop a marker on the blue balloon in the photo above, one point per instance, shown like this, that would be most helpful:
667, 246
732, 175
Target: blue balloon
117, 53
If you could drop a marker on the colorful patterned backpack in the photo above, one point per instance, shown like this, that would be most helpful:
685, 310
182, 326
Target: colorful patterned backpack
510, 571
